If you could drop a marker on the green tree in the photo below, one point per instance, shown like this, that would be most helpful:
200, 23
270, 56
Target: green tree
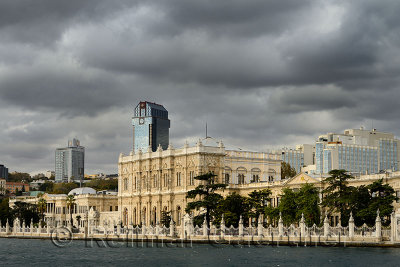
5, 211
302, 202
46, 187
63, 188
17, 192
381, 196
19, 177
307, 200
25, 211
287, 171
338, 195
258, 201
288, 206
70, 205
165, 218
101, 184
42, 204
232, 207
208, 199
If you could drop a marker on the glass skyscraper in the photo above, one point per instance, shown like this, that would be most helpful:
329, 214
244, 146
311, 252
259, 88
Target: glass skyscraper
150, 127
70, 162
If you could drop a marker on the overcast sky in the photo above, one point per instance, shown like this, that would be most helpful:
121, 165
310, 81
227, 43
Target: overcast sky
263, 74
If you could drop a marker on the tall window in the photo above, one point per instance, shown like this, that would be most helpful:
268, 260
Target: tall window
134, 182
191, 178
155, 182
226, 178
165, 180
125, 183
178, 179
241, 179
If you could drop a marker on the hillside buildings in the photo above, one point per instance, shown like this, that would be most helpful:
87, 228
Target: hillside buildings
70, 162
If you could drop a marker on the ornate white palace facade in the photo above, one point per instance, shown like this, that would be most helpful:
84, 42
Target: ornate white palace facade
151, 182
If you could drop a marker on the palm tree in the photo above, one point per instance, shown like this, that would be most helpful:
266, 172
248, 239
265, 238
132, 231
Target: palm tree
70, 205
42, 204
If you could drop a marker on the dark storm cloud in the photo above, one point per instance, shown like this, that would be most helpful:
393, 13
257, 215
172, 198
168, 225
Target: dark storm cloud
229, 18
260, 73
44, 21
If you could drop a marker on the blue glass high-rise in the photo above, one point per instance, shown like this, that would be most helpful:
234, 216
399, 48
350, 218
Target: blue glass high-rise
150, 127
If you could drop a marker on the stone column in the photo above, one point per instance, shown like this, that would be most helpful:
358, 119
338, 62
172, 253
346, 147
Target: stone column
7, 227
241, 226
260, 227
393, 230
119, 228
172, 228
302, 226
326, 226
31, 226
23, 227
39, 228
351, 226
378, 227
157, 229
205, 229
280, 225
222, 227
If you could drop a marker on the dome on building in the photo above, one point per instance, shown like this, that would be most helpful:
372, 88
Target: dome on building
82, 191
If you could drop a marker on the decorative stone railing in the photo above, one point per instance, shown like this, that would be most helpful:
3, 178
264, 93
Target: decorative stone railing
187, 230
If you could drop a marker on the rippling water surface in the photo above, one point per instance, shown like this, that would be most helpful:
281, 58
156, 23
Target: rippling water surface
44, 252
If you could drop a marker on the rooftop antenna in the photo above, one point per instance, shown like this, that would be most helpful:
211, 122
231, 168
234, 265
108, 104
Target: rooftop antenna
206, 131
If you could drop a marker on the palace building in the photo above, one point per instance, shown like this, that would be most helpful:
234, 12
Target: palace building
155, 180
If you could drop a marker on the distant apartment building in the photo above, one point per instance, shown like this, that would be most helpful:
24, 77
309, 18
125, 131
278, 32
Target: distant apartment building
70, 162
3, 172
13, 186
300, 157
358, 151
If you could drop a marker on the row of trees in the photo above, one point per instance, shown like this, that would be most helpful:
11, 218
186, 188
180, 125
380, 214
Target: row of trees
22, 210
64, 188
338, 198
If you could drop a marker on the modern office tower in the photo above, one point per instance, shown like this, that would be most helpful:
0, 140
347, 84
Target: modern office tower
70, 162
298, 158
3, 172
150, 127
358, 151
